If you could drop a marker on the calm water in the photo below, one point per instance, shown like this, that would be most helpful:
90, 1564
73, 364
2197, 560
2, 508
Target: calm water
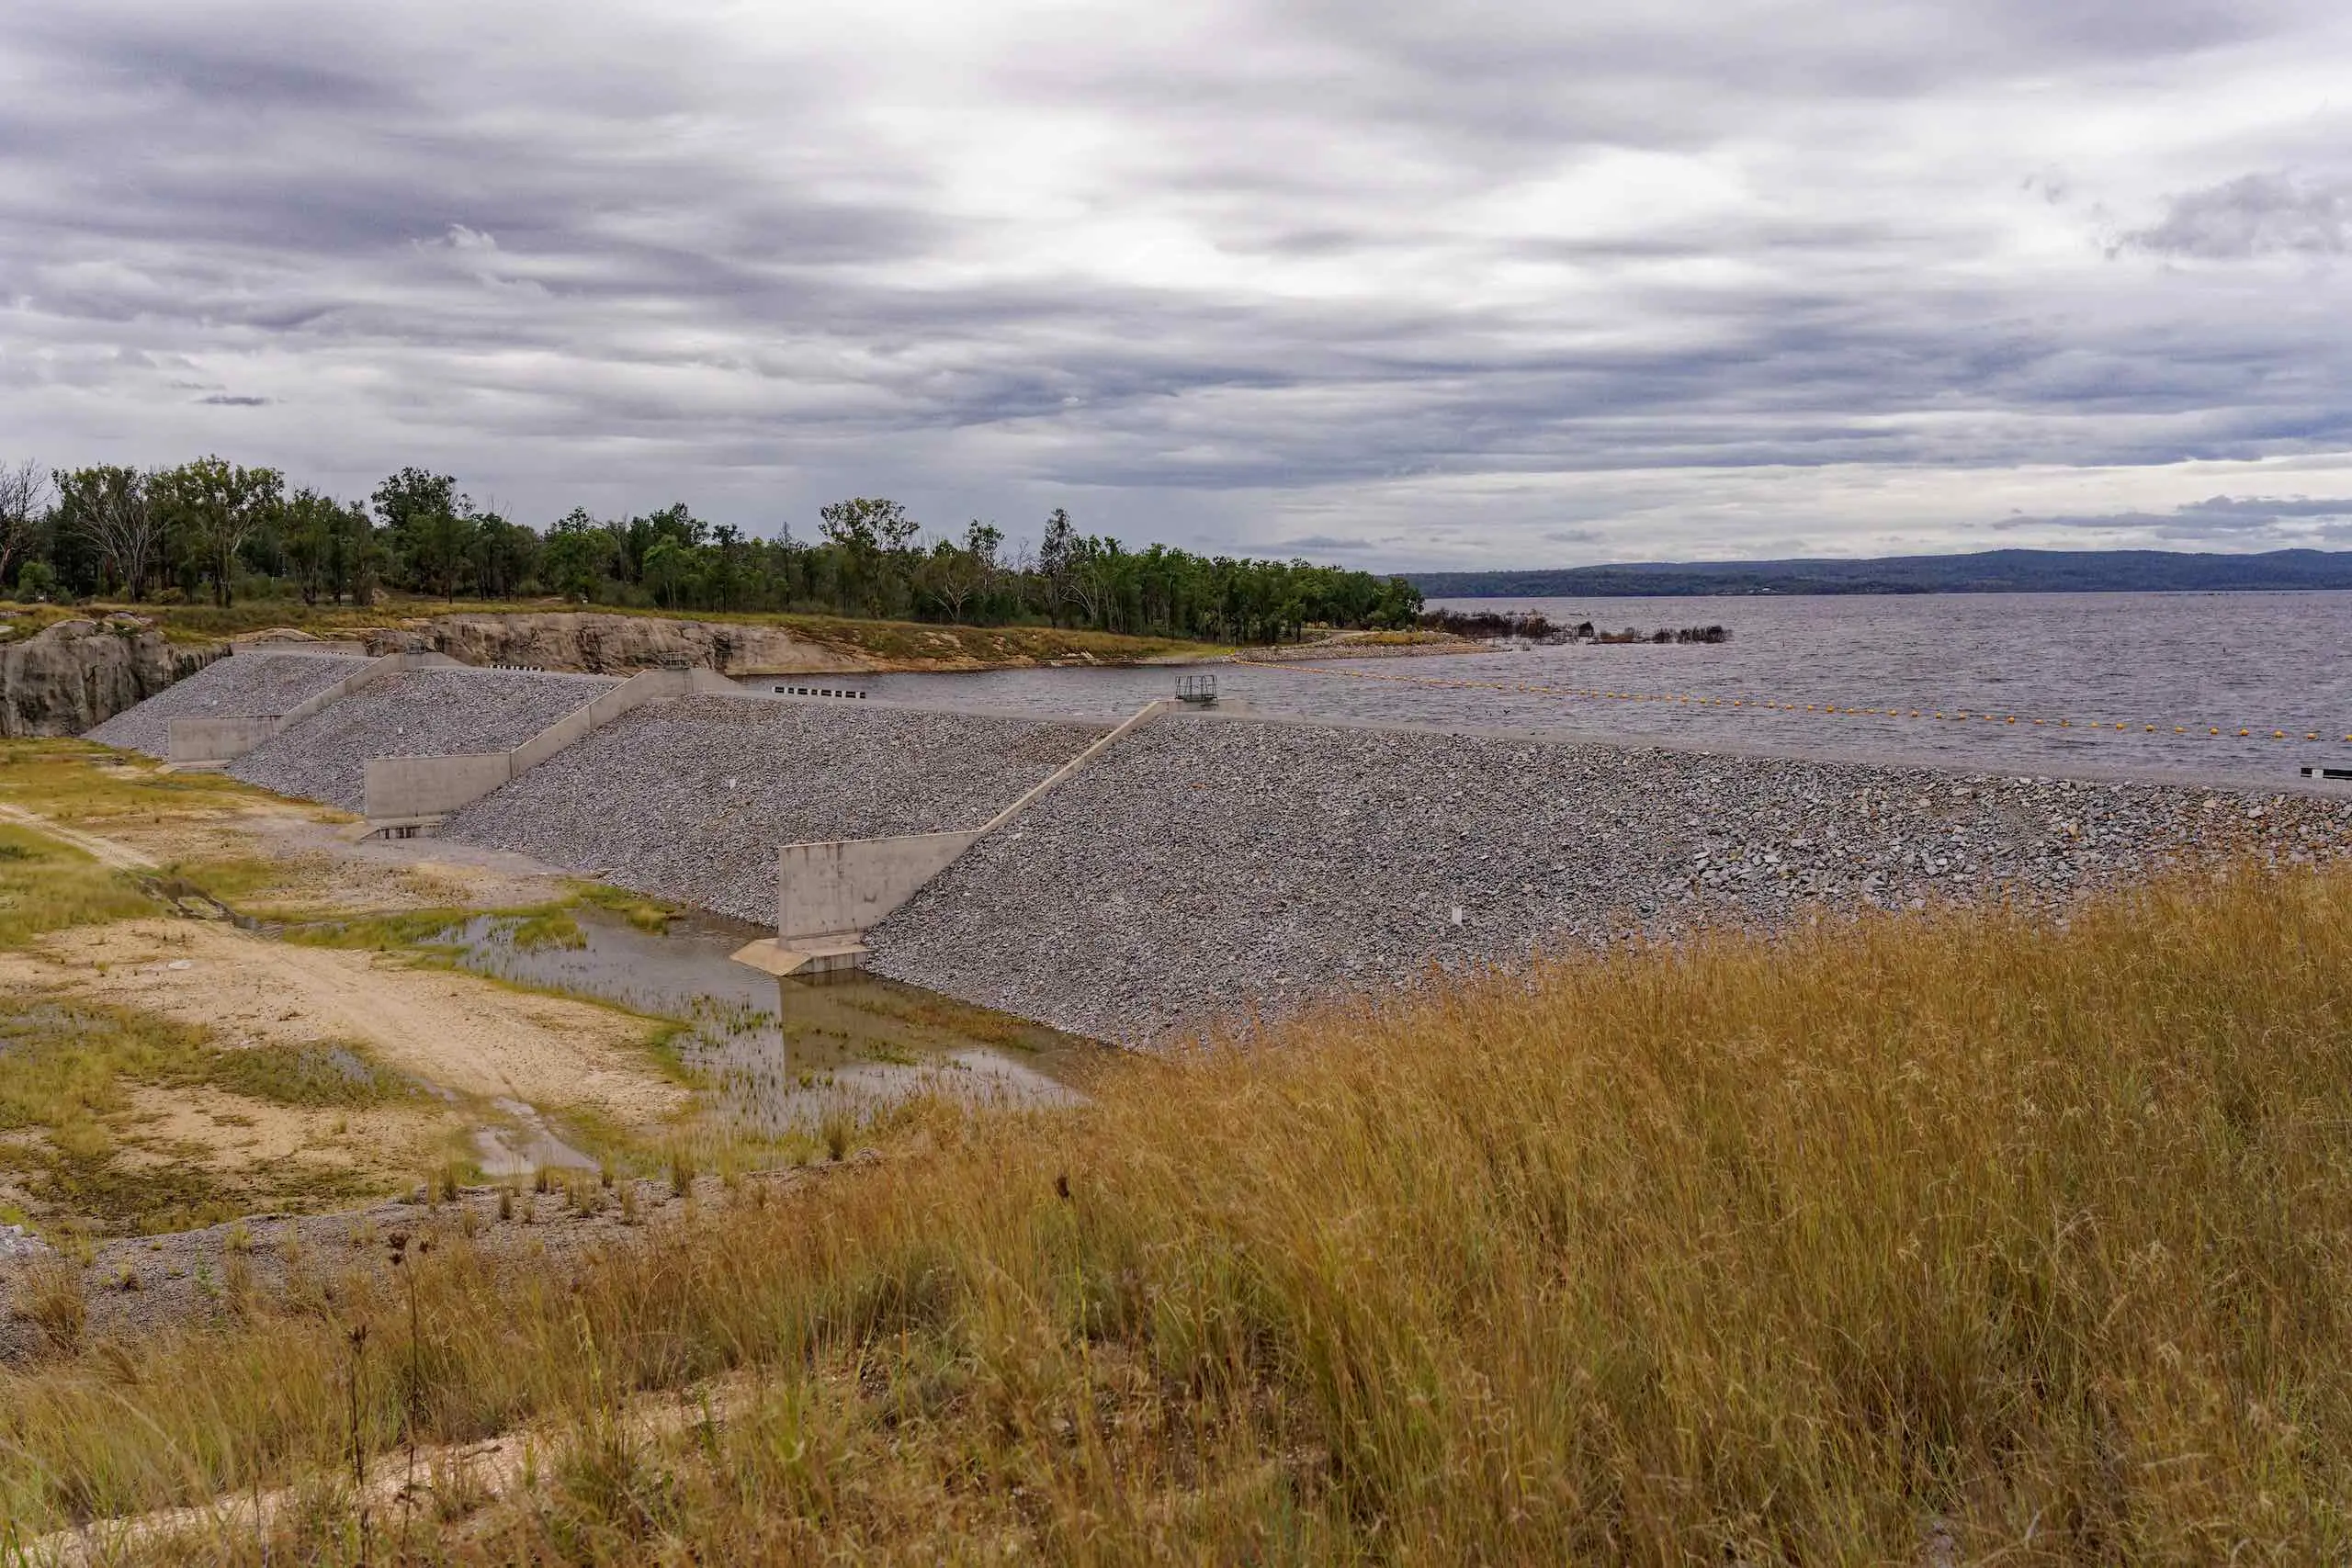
2261, 662
781, 1055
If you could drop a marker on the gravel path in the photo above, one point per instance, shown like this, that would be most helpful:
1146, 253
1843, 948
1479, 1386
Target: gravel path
1202, 866
689, 799
244, 685
419, 712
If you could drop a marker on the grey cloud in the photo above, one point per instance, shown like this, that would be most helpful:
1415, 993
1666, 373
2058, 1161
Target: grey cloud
2252, 215
626, 252
226, 401
2221, 521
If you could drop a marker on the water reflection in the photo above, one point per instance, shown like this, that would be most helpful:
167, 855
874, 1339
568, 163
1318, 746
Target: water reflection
786, 1056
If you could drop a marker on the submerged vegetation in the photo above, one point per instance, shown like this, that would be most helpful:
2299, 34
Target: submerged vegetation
1925, 1239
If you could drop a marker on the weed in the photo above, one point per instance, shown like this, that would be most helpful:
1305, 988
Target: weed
839, 1127
327, 1074
554, 929
48, 1295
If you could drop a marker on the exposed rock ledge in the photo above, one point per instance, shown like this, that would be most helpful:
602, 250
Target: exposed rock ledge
78, 673
602, 644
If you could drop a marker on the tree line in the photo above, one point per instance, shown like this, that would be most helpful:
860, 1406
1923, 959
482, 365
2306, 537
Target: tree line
219, 530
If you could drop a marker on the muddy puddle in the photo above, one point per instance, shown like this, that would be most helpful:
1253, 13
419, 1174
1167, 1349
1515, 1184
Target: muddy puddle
783, 1055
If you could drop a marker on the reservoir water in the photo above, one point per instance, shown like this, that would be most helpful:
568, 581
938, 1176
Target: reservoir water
2150, 685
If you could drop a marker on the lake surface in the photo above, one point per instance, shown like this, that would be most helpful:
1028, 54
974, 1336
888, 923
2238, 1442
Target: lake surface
2172, 669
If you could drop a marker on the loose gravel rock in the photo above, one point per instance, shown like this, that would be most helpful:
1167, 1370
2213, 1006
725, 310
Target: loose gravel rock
1205, 867
244, 685
418, 713
689, 799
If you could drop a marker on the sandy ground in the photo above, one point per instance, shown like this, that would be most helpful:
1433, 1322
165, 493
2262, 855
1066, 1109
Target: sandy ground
502, 1073
460, 1031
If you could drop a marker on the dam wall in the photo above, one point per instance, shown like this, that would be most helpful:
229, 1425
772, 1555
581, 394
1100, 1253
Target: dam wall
1215, 867
690, 799
1139, 881
446, 710
420, 791
243, 688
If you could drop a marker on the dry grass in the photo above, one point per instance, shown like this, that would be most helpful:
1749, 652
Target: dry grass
1864, 1247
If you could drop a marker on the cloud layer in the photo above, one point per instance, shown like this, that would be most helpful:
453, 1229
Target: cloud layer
1492, 284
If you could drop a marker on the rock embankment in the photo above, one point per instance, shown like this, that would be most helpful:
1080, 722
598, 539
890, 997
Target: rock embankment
74, 675
596, 644
250, 685
1204, 867
690, 799
418, 713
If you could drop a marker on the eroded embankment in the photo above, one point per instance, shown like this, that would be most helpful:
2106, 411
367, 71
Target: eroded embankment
690, 799
1208, 867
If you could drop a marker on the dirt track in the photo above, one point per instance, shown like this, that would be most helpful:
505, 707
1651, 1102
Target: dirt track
460, 1031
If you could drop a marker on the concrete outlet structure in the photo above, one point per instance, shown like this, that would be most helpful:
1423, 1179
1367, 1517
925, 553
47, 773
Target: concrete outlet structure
831, 892
207, 744
406, 795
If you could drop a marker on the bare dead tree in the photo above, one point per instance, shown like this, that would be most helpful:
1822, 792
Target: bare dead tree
113, 508
24, 502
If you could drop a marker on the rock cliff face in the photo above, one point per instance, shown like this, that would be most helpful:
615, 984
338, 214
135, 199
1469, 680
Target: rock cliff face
79, 673
615, 645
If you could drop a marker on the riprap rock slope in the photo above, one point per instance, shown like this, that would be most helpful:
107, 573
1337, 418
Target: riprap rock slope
417, 713
1210, 867
689, 799
244, 685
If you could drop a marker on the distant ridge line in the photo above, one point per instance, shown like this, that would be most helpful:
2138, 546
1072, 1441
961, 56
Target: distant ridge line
1984, 571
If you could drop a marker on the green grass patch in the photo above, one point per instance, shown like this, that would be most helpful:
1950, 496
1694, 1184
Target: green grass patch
324, 1074
47, 885
410, 929
553, 929
650, 915
64, 1064
89, 786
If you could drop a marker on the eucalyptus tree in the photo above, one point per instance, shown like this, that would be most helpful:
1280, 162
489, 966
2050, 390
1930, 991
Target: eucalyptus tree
24, 507
110, 508
215, 506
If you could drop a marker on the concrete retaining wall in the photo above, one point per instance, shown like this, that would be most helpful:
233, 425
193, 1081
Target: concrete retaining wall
830, 894
405, 789
837, 890
419, 791
197, 743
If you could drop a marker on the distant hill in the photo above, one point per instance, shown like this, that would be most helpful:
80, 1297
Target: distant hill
1987, 571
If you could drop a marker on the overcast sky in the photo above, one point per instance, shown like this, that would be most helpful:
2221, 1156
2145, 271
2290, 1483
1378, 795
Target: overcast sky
1400, 284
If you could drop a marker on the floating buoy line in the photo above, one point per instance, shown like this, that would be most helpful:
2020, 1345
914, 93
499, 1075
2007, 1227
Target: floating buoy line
1821, 710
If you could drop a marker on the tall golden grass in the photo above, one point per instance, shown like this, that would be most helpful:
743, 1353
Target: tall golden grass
1956, 1238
